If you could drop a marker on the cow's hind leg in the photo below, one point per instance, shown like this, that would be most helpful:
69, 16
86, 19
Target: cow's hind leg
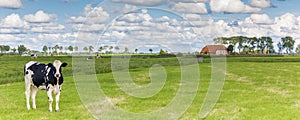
57, 102
49, 93
27, 92
33, 94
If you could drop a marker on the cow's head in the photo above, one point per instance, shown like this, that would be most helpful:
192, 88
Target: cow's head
57, 65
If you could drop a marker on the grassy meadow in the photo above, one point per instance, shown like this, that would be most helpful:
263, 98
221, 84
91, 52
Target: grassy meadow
255, 88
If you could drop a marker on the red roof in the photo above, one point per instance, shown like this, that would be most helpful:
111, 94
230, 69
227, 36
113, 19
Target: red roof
212, 49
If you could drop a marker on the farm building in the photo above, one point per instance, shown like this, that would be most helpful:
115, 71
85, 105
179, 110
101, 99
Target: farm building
214, 50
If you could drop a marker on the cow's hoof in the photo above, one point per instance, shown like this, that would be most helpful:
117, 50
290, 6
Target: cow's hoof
50, 110
57, 110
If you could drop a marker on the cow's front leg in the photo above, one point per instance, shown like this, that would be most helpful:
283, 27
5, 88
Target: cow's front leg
27, 93
33, 94
57, 102
50, 99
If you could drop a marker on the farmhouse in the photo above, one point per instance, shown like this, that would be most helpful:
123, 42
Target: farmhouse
214, 50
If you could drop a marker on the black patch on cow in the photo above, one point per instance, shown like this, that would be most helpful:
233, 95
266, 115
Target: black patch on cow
41, 76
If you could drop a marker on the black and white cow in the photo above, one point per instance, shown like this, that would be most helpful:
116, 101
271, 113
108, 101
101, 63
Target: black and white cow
43, 76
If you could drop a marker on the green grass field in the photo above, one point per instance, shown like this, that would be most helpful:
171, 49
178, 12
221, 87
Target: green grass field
255, 88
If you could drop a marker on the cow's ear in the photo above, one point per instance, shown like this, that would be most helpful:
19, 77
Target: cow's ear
64, 64
50, 64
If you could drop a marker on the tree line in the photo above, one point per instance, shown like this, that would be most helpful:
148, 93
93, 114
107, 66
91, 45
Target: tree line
63, 50
235, 44
258, 45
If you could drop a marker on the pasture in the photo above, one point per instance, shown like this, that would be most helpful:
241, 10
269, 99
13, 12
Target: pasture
255, 88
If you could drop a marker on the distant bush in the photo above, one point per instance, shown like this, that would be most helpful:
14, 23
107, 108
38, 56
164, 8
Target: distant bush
256, 55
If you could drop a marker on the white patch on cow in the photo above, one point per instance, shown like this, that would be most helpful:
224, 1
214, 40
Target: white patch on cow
50, 99
56, 89
57, 65
29, 64
42, 87
28, 83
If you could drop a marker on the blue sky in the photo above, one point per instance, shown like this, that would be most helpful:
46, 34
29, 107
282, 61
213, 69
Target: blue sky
156, 23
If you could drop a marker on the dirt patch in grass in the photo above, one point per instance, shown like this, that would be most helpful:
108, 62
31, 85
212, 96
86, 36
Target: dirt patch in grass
278, 91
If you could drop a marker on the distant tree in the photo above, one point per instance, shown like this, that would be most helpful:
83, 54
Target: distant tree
126, 50
117, 48
91, 49
298, 49
101, 48
60, 48
136, 50
246, 50
105, 47
230, 49
56, 47
49, 49
266, 43
45, 49
70, 48
110, 49
150, 50
86, 49
288, 43
240, 41
6, 48
2, 48
14, 50
162, 52
280, 47
252, 42
21, 49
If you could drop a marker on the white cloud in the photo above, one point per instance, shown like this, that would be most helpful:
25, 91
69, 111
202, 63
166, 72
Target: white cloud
46, 28
285, 25
190, 7
142, 2
14, 4
79, 19
260, 19
163, 19
40, 17
91, 16
129, 8
140, 29
68, 1
13, 24
136, 17
287, 20
89, 28
195, 20
260, 3
12, 21
232, 6
194, 1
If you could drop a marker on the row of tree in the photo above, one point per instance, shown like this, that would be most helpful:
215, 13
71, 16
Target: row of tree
21, 49
88, 49
254, 44
58, 50
240, 44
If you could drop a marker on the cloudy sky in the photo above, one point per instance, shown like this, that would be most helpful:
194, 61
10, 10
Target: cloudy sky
174, 25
